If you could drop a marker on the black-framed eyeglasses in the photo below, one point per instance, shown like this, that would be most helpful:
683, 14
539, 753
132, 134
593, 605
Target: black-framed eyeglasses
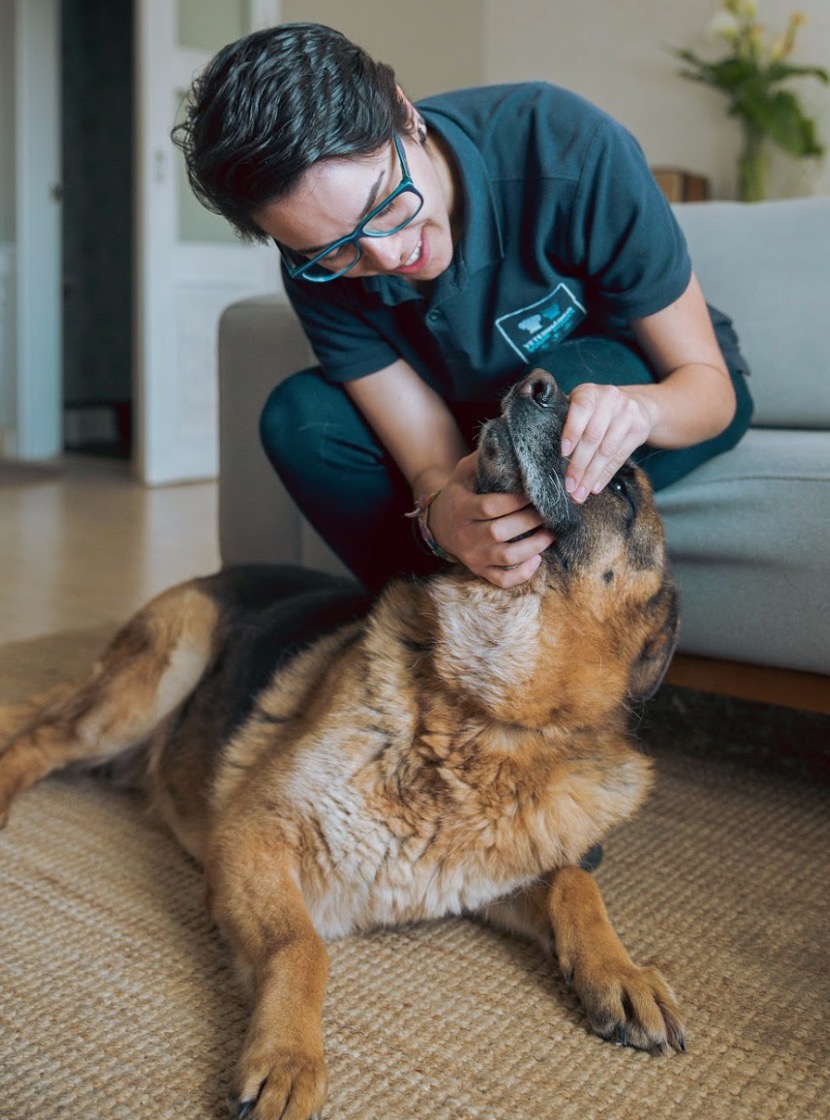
391, 216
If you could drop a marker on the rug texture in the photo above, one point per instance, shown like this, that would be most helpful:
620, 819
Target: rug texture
117, 1000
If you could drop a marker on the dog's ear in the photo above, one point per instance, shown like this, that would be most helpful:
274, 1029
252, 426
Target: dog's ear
657, 650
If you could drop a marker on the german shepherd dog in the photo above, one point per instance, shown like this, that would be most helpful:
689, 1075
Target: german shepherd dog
337, 765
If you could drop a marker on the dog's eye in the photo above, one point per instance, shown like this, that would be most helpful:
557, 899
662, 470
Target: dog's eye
619, 486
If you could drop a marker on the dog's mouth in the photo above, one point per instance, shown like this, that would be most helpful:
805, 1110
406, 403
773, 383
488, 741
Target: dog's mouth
520, 452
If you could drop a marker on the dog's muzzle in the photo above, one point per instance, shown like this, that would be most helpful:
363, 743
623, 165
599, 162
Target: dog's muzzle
541, 389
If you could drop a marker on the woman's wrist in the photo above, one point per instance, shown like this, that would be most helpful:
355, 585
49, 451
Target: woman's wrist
420, 516
650, 403
693, 403
429, 480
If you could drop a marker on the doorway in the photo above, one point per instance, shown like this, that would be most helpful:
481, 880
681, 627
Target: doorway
97, 132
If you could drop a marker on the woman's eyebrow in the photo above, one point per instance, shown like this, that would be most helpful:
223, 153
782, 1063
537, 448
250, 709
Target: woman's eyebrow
372, 195
370, 202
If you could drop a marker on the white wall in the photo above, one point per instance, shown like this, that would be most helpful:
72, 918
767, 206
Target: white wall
7, 224
613, 52
432, 45
6, 120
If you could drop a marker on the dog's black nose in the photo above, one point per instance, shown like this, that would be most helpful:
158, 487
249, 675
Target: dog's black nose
540, 387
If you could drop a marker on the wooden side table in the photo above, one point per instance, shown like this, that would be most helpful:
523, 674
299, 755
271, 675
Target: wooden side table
679, 185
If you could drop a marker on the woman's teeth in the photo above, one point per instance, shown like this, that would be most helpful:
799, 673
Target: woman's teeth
416, 252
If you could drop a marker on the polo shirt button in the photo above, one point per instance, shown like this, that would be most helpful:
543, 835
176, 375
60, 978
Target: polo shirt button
434, 316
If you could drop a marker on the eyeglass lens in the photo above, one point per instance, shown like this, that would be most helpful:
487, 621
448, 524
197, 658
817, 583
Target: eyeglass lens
394, 217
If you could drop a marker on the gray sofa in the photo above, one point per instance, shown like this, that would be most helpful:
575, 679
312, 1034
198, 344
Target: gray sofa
749, 532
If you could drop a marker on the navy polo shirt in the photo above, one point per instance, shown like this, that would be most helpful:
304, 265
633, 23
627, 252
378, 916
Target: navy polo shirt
564, 234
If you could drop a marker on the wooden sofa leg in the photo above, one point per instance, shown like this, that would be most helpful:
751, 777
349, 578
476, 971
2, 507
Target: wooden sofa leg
790, 688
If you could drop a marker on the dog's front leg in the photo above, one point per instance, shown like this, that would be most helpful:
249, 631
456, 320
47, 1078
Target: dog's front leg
624, 1002
258, 905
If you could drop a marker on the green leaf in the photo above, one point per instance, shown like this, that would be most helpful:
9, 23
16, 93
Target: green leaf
779, 115
780, 71
754, 100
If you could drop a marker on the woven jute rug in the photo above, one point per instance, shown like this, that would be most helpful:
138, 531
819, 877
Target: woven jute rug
117, 999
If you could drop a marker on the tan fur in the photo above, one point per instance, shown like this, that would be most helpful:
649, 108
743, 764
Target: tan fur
455, 752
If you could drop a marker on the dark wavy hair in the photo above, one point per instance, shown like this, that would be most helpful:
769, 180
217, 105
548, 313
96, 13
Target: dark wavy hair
270, 105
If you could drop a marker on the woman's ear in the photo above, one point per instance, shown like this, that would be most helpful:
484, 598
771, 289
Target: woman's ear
415, 125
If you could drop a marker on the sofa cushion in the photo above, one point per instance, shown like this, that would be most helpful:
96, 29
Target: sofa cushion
765, 264
749, 537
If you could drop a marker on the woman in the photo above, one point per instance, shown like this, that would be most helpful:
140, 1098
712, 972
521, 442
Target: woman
433, 253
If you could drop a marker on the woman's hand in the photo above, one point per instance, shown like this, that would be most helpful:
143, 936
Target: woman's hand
480, 529
691, 400
605, 424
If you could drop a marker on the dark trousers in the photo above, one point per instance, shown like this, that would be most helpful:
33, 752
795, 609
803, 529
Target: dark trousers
350, 489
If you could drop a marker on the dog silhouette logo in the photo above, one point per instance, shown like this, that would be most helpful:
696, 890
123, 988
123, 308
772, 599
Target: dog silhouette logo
541, 326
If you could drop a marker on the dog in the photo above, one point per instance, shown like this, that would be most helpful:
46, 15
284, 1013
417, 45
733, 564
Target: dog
338, 764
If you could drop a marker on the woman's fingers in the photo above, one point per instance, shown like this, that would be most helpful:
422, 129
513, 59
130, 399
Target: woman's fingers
490, 533
512, 576
605, 424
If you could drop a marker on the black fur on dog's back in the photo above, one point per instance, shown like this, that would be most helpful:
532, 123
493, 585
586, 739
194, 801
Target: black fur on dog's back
268, 615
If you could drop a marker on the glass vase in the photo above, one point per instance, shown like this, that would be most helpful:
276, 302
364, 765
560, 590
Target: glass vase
753, 166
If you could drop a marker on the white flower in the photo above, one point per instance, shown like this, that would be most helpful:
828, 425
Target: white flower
723, 25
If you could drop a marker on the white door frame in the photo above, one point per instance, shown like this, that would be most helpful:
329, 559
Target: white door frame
180, 287
33, 285
36, 273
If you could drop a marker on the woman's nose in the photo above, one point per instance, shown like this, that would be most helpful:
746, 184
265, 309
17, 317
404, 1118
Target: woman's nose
383, 253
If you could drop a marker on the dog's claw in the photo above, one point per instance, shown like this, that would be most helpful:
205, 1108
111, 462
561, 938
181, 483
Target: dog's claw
675, 1035
244, 1108
674, 1043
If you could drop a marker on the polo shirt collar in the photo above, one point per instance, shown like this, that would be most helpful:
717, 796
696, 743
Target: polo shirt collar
480, 244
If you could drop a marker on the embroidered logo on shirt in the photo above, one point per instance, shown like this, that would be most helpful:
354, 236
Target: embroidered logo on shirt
541, 326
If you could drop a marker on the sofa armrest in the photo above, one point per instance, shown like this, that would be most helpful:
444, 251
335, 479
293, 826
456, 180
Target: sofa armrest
260, 343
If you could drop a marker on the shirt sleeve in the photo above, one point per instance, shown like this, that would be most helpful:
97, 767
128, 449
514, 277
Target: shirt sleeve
625, 237
341, 335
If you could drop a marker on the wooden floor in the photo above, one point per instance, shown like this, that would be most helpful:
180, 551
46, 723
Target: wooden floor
85, 544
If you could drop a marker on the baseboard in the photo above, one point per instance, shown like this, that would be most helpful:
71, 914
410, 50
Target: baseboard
809, 692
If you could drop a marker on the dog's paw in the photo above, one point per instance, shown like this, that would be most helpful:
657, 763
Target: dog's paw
633, 1006
279, 1083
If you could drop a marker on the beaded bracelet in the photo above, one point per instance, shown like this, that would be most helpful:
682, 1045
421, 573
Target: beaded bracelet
421, 514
